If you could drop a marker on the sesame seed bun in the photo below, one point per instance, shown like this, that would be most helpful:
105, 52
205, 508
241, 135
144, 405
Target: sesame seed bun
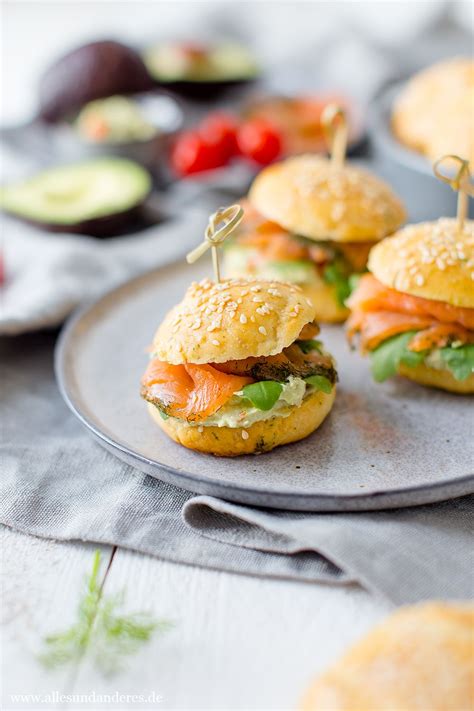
262, 436
308, 196
431, 259
434, 378
420, 657
434, 112
323, 296
233, 320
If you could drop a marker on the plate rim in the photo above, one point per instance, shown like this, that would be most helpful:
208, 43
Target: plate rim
231, 491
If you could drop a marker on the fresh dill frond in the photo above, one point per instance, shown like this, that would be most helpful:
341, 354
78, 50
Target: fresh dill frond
100, 631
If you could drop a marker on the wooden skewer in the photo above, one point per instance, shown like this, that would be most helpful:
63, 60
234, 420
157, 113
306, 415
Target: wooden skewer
460, 183
334, 123
221, 224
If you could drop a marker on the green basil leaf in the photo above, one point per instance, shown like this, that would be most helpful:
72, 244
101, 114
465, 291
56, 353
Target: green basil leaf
333, 274
320, 383
310, 345
264, 394
390, 353
460, 361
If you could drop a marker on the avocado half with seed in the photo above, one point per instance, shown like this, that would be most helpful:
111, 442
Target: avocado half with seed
98, 197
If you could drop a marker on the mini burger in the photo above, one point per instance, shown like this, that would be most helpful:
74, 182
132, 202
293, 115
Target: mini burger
236, 368
313, 223
414, 313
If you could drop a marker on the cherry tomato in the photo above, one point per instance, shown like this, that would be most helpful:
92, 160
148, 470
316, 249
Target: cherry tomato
191, 153
221, 129
259, 140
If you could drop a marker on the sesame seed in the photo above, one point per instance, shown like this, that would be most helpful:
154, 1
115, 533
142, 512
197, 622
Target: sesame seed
243, 318
257, 299
262, 330
215, 342
419, 280
245, 434
200, 428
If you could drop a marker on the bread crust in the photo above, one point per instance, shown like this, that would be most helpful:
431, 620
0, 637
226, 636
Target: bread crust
323, 296
262, 436
430, 259
328, 308
233, 320
308, 196
433, 113
434, 378
419, 658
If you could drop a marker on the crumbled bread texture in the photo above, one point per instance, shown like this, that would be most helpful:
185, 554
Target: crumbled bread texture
434, 112
232, 320
309, 196
434, 260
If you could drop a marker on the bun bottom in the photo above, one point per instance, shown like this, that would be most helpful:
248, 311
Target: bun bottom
324, 299
262, 436
433, 378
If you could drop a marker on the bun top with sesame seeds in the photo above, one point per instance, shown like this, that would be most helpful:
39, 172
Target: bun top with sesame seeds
232, 320
434, 260
309, 196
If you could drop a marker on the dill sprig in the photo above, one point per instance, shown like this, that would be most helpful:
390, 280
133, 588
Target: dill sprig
100, 630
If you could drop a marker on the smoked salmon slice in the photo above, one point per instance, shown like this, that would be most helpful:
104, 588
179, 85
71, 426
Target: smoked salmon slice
190, 392
371, 295
376, 326
439, 335
379, 312
275, 246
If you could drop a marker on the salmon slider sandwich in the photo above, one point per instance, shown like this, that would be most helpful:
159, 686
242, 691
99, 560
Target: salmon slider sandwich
236, 368
312, 221
415, 312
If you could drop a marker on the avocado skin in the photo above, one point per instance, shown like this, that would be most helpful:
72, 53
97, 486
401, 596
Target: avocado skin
92, 71
119, 223
204, 90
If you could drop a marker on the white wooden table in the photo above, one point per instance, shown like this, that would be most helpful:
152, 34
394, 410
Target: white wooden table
237, 643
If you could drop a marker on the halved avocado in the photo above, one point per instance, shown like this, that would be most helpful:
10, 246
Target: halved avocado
98, 197
93, 71
200, 72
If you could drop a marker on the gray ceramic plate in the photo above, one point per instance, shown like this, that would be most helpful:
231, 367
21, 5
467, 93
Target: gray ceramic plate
389, 445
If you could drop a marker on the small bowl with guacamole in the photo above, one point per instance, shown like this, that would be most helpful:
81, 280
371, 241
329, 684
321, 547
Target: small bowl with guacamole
201, 71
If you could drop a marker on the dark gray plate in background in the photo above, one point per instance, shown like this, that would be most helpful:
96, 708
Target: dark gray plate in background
383, 446
409, 173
